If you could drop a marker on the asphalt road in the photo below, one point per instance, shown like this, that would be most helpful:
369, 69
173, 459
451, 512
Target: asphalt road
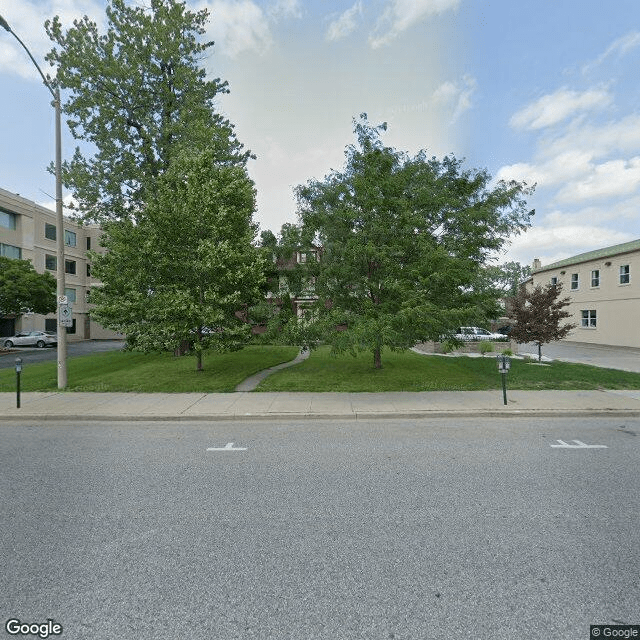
31, 355
623, 358
405, 529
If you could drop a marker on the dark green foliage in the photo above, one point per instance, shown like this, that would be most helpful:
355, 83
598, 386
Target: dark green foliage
506, 278
405, 240
138, 95
22, 289
188, 266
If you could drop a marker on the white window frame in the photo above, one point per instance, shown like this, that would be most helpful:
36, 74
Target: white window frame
595, 279
624, 274
553, 281
589, 318
576, 282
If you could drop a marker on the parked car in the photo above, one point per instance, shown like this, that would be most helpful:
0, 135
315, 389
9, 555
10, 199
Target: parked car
31, 338
476, 333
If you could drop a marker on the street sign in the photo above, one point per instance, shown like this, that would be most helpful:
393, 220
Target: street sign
66, 315
63, 300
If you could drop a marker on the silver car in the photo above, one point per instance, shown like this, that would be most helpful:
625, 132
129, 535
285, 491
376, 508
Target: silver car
476, 333
31, 338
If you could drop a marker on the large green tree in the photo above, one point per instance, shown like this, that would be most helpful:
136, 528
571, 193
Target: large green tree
186, 268
139, 96
22, 289
405, 240
506, 278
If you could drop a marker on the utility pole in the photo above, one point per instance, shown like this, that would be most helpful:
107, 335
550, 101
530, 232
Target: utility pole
60, 279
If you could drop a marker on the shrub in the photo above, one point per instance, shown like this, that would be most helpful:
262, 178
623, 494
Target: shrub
507, 352
486, 347
447, 346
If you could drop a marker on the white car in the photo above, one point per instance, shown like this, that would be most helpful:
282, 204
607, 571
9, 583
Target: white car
31, 338
476, 333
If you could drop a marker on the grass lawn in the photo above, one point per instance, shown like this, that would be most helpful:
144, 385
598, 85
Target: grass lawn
159, 372
408, 371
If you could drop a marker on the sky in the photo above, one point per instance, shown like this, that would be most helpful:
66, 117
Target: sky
544, 92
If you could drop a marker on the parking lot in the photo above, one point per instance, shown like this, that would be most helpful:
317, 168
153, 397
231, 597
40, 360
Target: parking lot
31, 355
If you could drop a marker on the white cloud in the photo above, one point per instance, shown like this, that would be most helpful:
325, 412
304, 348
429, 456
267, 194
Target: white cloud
556, 107
613, 179
456, 96
557, 169
619, 47
286, 9
599, 140
26, 19
346, 23
544, 240
237, 26
400, 15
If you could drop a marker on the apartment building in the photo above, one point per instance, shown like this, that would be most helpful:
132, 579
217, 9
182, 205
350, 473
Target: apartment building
29, 231
604, 289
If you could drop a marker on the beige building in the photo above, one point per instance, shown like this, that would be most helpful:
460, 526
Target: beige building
28, 231
604, 289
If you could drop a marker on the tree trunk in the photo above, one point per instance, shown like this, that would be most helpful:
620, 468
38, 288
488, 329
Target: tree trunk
377, 360
539, 351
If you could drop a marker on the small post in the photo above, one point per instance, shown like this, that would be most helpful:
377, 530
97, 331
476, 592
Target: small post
18, 370
504, 364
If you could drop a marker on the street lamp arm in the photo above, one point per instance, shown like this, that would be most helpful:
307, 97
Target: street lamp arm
5, 25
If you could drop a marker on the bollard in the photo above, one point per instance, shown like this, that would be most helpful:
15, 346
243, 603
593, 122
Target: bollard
18, 370
504, 364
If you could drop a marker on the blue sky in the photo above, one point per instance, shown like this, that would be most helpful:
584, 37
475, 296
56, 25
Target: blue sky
544, 91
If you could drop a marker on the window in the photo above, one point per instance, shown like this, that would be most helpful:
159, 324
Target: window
70, 266
7, 220
624, 274
50, 231
50, 324
69, 238
595, 278
71, 294
554, 281
50, 262
9, 251
588, 318
88, 271
88, 243
575, 281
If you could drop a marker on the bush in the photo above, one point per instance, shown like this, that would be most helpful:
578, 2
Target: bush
486, 347
507, 352
447, 346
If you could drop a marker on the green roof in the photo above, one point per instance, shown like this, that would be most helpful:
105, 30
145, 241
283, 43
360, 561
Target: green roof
598, 254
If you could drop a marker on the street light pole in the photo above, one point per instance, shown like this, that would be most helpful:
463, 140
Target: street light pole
60, 288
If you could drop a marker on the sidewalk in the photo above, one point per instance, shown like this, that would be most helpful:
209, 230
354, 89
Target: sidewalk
79, 406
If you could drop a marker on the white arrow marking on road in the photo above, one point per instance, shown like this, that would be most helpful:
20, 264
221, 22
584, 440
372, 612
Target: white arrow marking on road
229, 447
578, 445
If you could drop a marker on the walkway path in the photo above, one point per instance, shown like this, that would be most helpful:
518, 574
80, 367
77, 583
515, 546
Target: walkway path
84, 406
252, 382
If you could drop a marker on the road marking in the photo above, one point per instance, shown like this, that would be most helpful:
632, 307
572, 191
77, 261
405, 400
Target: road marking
578, 445
228, 447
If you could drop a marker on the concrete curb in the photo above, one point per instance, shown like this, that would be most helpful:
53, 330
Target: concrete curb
435, 413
